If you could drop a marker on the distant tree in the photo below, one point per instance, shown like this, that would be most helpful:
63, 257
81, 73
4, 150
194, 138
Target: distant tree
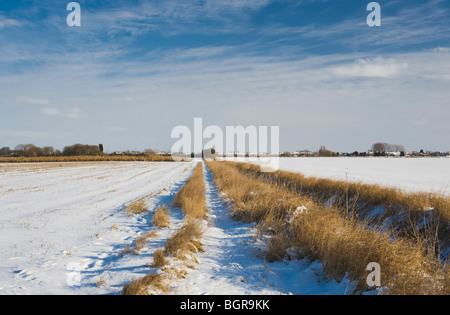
5, 151
100, 147
382, 148
149, 152
394, 148
81, 149
20, 147
28, 150
48, 151
323, 151
379, 147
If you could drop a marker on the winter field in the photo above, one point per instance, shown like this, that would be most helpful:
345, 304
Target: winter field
63, 230
58, 217
408, 174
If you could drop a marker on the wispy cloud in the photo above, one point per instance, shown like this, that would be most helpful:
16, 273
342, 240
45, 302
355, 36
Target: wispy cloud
421, 122
8, 22
402, 26
30, 134
71, 113
31, 100
116, 129
377, 68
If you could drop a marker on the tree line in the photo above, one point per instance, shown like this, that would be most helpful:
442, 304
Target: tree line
31, 150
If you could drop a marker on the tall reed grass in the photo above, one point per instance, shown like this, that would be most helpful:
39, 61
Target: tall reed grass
424, 217
299, 224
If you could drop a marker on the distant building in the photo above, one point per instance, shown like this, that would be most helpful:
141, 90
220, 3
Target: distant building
303, 153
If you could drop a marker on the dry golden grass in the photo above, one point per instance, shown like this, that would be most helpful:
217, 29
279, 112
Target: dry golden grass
137, 207
139, 244
161, 217
323, 189
159, 259
141, 241
119, 158
357, 200
141, 286
185, 240
191, 197
345, 246
192, 200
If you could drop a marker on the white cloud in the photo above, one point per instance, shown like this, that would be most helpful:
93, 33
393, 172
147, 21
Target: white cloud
421, 122
71, 113
30, 100
5, 22
371, 68
117, 129
50, 111
31, 134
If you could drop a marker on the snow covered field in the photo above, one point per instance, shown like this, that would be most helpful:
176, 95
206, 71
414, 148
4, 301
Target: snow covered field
63, 229
57, 220
413, 174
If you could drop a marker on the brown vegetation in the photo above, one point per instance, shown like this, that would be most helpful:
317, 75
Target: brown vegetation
159, 259
84, 158
137, 207
161, 217
185, 240
423, 217
191, 198
141, 286
310, 229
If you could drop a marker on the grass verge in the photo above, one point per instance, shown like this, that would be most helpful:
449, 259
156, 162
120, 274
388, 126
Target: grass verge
181, 244
423, 217
191, 198
344, 246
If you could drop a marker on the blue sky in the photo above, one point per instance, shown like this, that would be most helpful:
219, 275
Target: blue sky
136, 69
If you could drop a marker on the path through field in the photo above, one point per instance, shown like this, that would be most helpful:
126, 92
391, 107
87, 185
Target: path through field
233, 262
63, 230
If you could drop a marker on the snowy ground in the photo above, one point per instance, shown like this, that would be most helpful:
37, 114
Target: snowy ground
409, 174
63, 229
56, 221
